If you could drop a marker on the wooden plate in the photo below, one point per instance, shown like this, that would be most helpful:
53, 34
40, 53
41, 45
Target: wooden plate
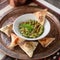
40, 52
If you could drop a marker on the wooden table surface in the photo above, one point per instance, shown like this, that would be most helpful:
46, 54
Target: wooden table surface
54, 2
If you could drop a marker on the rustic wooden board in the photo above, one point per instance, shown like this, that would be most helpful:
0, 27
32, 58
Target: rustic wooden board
40, 52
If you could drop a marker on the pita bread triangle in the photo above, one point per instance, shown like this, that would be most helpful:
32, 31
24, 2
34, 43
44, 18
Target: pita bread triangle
29, 47
41, 16
7, 29
46, 41
14, 41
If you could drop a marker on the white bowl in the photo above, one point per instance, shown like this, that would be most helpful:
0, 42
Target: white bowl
26, 17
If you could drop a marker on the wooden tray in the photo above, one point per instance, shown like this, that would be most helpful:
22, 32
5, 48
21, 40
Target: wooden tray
40, 52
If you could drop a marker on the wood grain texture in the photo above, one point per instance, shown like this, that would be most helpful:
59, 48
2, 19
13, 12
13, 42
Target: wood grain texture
54, 2
40, 52
3, 3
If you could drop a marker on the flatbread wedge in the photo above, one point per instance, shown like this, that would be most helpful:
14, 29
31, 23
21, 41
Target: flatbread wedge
29, 47
14, 41
7, 29
46, 41
41, 16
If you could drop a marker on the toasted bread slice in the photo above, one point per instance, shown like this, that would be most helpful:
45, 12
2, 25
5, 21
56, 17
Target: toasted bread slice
7, 29
41, 16
29, 47
46, 41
